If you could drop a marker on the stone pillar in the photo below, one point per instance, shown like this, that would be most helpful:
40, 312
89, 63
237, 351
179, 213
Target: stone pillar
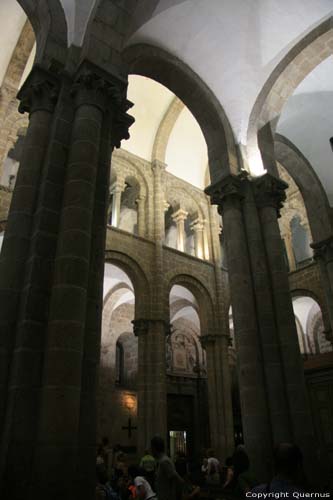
179, 217
227, 195
219, 393
153, 345
152, 401
267, 322
290, 251
323, 253
197, 227
206, 239
21, 331
141, 204
116, 190
270, 194
54, 366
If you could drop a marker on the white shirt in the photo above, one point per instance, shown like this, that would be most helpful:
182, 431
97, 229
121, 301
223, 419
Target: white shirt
142, 484
213, 465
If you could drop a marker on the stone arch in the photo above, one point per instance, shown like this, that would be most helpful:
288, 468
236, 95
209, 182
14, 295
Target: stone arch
9, 115
165, 128
125, 167
166, 69
49, 23
313, 193
8, 132
301, 59
142, 291
179, 197
305, 292
201, 294
19, 59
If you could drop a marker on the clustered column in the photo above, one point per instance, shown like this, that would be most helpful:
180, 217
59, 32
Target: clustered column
271, 378
227, 194
54, 342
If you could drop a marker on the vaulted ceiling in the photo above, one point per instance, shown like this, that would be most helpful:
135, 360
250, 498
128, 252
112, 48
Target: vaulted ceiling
234, 46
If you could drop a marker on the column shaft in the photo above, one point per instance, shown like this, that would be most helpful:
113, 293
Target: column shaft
116, 205
152, 409
219, 394
141, 204
179, 217
93, 323
270, 195
24, 281
252, 385
267, 325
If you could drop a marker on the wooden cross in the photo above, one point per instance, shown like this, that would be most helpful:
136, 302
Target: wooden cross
129, 427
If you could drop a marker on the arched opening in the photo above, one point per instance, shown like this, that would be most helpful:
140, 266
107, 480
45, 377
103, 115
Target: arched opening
310, 326
128, 218
117, 407
186, 376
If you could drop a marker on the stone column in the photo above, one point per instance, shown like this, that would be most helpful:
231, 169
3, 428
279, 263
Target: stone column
179, 217
197, 227
19, 318
270, 194
290, 251
323, 253
154, 344
227, 194
66, 437
141, 204
116, 190
206, 239
219, 393
152, 401
267, 322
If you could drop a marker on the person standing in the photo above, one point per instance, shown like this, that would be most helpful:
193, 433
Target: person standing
148, 465
169, 484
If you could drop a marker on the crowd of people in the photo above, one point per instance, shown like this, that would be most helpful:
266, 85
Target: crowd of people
157, 477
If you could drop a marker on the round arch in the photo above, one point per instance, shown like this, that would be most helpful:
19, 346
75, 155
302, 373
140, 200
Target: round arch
49, 24
166, 69
301, 59
304, 292
201, 294
139, 279
124, 165
313, 193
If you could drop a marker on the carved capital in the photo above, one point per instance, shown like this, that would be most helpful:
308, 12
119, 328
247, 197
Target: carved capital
207, 340
141, 326
93, 87
179, 216
197, 225
158, 167
269, 191
225, 193
39, 92
323, 250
